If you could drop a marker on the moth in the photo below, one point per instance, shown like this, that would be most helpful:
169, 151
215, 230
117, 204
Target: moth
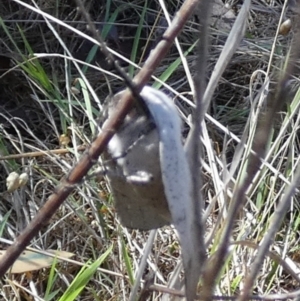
150, 178
134, 173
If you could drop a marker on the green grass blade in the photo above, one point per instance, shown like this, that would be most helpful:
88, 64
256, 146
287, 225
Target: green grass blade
50, 283
171, 69
83, 277
3, 222
137, 40
88, 105
127, 262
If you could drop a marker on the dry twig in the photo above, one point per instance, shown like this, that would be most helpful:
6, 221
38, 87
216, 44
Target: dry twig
91, 156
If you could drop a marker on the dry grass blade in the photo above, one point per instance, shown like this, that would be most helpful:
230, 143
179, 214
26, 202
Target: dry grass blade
142, 265
213, 268
91, 155
232, 42
262, 136
60, 151
193, 152
274, 256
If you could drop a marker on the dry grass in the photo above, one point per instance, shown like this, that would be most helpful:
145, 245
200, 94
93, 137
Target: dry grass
38, 106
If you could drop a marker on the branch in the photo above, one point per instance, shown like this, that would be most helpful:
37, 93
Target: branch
90, 157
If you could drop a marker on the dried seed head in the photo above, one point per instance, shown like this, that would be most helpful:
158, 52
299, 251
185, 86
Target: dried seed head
285, 27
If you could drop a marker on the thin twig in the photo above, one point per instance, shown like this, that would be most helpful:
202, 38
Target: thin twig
214, 266
109, 57
194, 151
60, 151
